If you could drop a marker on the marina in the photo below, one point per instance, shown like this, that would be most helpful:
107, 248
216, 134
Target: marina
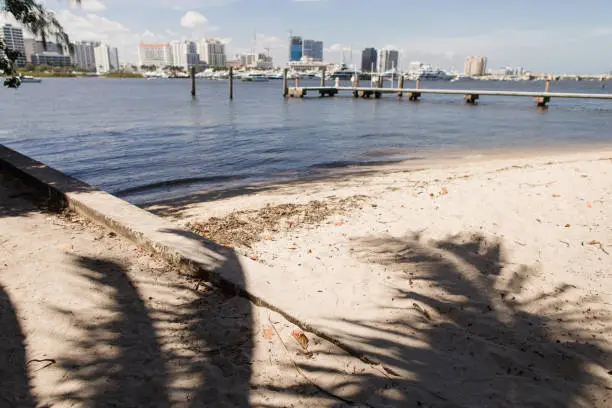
147, 144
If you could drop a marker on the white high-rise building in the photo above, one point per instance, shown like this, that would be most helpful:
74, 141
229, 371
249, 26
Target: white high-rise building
387, 59
212, 52
475, 66
247, 60
83, 55
13, 40
159, 55
184, 54
107, 59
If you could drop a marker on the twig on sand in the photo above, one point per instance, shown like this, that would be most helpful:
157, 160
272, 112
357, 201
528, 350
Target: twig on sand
300, 372
49, 362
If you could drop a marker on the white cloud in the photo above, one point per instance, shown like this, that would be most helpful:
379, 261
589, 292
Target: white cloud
192, 19
191, 4
89, 5
91, 26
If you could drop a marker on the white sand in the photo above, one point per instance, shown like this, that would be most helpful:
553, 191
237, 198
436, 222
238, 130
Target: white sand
90, 319
487, 282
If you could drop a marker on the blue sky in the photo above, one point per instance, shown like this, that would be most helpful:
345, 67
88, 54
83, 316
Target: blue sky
541, 35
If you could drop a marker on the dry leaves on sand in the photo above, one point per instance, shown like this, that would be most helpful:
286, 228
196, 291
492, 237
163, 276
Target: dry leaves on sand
242, 228
301, 338
268, 333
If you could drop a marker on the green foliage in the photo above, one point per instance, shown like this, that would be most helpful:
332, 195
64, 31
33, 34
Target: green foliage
148, 67
123, 74
48, 73
38, 21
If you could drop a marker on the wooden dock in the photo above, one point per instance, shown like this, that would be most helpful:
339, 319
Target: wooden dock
414, 94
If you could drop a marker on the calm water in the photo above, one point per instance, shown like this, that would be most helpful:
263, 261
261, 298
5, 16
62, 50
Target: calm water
148, 141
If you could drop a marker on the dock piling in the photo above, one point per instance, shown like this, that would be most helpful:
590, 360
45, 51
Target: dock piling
231, 83
547, 86
323, 77
297, 81
337, 82
541, 101
470, 96
400, 85
285, 85
193, 82
471, 99
413, 96
418, 84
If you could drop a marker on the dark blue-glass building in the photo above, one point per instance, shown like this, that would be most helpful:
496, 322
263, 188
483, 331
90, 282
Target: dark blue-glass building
295, 48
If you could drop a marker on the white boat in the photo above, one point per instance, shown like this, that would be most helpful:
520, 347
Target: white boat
26, 79
461, 77
418, 70
220, 75
155, 75
274, 75
253, 77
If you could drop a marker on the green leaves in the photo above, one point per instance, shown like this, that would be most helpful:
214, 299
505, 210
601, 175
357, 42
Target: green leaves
38, 21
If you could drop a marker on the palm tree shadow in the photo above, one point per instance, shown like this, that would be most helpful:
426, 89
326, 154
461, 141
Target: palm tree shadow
120, 357
146, 351
482, 334
14, 378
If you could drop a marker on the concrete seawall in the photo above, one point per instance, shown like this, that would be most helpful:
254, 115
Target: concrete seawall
265, 286
193, 254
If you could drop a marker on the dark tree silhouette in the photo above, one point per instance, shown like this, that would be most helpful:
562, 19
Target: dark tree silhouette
38, 21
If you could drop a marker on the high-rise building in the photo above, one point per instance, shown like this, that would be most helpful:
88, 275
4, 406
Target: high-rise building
113, 53
247, 59
475, 66
13, 40
184, 54
295, 48
312, 49
158, 55
33, 46
264, 62
83, 55
51, 58
107, 59
387, 60
369, 59
212, 52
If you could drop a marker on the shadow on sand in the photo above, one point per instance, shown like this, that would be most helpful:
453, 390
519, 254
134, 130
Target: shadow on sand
468, 330
472, 329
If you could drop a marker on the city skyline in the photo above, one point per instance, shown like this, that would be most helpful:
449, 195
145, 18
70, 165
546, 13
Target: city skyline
533, 35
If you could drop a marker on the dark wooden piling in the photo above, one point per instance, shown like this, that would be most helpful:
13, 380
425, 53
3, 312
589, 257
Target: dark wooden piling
193, 82
285, 85
231, 83
413, 96
471, 99
323, 77
541, 101
400, 85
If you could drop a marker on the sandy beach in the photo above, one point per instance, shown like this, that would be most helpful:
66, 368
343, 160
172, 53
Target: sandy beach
485, 278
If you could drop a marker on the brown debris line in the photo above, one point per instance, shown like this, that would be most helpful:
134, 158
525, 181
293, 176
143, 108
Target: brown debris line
242, 228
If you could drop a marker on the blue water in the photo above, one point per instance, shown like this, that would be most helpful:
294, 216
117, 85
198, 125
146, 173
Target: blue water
149, 141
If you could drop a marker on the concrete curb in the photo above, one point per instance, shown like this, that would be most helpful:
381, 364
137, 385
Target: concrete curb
194, 255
